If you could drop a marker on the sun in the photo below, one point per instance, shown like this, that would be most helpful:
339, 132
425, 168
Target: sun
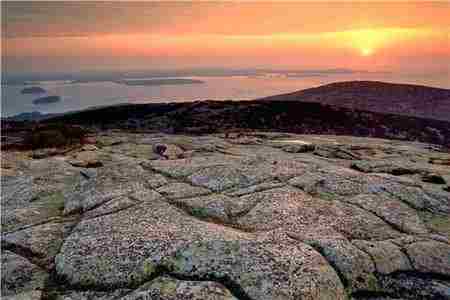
366, 51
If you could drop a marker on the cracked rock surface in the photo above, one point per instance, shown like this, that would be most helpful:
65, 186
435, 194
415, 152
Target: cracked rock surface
237, 216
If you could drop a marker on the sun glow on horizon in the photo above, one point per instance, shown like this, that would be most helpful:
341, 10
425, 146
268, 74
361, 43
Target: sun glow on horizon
366, 52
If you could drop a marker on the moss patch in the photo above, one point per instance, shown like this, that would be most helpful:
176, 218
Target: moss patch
437, 223
54, 202
326, 196
199, 212
148, 268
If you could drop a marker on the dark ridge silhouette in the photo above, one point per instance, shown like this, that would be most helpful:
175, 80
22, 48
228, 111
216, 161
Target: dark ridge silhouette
375, 96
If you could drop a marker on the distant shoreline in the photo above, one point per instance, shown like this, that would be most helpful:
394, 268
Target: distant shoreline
156, 82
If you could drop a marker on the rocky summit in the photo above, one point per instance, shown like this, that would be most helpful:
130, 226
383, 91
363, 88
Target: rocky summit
252, 215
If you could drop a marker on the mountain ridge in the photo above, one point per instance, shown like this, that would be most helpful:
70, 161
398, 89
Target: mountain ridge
377, 96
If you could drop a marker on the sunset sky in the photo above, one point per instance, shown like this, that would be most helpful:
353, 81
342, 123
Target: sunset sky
371, 36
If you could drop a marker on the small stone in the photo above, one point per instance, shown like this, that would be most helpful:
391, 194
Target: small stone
169, 151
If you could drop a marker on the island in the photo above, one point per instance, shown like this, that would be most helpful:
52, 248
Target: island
164, 81
33, 90
47, 100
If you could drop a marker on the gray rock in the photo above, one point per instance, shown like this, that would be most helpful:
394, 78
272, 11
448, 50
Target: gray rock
43, 241
19, 275
126, 247
261, 270
387, 257
355, 266
220, 178
86, 159
254, 188
166, 288
181, 190
430, 257
393, 212
215, 207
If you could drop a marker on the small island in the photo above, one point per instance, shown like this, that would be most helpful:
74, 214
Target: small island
33, 90
154, 82
47, 100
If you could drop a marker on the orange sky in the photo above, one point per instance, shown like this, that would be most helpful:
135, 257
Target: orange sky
92, 35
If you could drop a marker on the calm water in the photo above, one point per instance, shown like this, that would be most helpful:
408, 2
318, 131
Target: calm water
77, 96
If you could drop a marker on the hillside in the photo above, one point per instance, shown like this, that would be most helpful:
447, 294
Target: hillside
375, 96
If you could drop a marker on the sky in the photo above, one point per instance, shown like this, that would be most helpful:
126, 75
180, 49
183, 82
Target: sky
82, 36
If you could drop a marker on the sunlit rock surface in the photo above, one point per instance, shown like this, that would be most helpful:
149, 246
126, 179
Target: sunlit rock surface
237, 216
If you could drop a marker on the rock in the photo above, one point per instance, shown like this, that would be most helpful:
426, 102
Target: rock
44, 153
33, 295
19, 275
109, 184
295, 211
387, 257
133, 241
90, 295
169, 151
37, 195
108, 140
439, 161
249, 221
86, 159
430, 257
355, 266
415, 287
181, 190
299, 148
216, 207
165, 288
335, 151
220, 178
254, 188
179, 168
386, 167
156, 181
261, 270
245, 140
132, 150
394, 212
112, 206
43, 241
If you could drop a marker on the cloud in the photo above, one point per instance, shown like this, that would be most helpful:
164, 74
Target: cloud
77, 18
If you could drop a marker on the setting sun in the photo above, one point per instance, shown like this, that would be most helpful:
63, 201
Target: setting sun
366, 52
